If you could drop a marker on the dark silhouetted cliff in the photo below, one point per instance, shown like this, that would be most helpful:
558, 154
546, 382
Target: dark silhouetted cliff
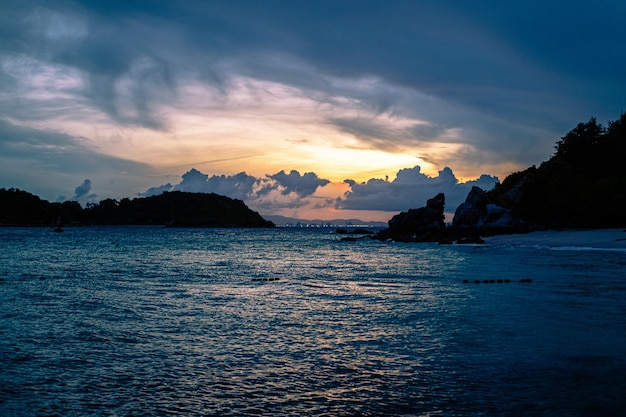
583, 185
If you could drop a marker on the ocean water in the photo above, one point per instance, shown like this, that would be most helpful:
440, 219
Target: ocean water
148, 321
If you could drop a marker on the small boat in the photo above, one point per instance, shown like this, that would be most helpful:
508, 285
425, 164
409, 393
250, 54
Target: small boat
58, 229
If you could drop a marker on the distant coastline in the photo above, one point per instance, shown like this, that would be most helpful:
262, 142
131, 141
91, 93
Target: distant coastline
283, 221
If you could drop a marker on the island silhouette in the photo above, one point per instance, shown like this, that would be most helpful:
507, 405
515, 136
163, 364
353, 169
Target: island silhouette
175, 209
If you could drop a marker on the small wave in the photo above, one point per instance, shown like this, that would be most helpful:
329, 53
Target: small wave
586, 248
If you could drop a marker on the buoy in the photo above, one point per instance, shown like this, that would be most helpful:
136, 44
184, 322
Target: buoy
499, 281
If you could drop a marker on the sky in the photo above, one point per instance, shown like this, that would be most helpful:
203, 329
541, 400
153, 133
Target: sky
312, 109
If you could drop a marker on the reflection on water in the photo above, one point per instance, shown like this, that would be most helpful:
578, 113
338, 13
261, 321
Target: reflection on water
152, 321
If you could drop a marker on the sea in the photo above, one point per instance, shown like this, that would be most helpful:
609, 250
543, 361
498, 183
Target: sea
155, 321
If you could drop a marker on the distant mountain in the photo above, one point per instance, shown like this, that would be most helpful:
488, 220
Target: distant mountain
295, 222
177, 208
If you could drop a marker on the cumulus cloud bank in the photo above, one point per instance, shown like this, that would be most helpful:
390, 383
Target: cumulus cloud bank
410, 189
301, 185
273, 191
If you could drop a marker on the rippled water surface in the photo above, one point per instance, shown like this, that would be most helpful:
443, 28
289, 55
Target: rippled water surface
158, 321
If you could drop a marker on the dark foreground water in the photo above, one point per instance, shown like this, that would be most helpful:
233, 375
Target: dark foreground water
157, 321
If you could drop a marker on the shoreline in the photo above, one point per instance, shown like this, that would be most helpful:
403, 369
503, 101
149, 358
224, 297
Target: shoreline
574, 238
614, 238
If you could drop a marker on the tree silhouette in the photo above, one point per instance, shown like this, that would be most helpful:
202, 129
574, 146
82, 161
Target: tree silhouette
582, 185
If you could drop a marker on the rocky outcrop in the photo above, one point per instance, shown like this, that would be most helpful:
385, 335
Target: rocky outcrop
480, 214
425, 224
473, 211
357, 231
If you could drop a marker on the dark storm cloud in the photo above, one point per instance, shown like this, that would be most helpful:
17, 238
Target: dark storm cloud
125, 61
503, 60
410, 189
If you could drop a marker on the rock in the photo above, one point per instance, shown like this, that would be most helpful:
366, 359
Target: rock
470, 240
481, 215
472, 213
356, 231
360, 231
425, 224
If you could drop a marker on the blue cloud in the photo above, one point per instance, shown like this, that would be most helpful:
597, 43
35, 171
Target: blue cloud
410, 189
301, 185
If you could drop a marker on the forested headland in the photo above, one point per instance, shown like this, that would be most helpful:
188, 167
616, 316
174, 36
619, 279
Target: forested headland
583, 185
176, 208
